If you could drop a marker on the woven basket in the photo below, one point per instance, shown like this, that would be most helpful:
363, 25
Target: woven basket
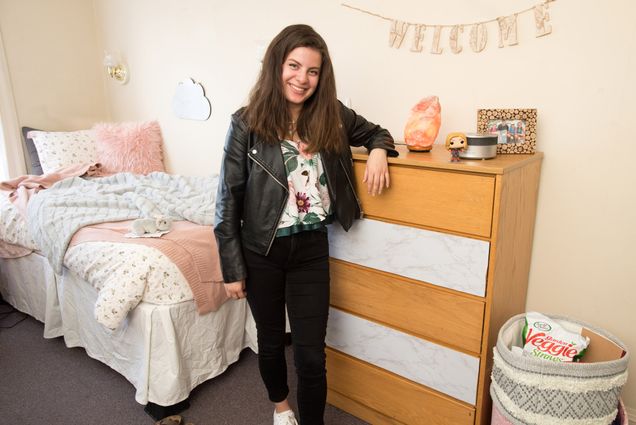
498, 418
527, 390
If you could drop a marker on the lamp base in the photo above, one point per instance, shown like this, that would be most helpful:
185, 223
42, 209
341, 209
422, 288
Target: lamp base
419, 148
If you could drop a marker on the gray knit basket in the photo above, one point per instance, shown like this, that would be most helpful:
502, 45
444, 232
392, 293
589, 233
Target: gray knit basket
527, 390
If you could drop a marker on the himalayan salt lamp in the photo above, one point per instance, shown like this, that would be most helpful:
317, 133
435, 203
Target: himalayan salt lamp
423, 125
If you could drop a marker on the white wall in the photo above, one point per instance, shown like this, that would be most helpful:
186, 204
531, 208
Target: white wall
579, 78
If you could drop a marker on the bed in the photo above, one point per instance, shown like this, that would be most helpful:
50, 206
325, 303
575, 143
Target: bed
164, 324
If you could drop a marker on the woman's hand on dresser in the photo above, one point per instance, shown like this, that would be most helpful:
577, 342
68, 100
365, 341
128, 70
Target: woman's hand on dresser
236, 289
376, 175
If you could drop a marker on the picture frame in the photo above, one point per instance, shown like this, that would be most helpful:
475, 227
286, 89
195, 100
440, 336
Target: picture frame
516, 129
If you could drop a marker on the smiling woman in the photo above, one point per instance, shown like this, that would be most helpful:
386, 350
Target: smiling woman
287, 173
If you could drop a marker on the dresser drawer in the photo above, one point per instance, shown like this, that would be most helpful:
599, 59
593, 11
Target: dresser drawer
446, 200
441, 316
443, 369
395, 397
443, 259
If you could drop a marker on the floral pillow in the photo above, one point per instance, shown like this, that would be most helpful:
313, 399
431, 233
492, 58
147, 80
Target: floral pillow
61, 149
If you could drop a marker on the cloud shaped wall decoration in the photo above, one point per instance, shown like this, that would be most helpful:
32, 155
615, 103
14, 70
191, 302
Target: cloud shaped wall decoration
189, 101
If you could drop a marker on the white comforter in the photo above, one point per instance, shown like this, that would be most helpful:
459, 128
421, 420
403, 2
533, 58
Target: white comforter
13, 228
55, 214
124, 274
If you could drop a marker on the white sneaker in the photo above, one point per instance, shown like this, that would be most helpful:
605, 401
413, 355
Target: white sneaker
285, 418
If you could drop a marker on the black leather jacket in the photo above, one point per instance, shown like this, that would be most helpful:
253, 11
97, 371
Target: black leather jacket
253, 191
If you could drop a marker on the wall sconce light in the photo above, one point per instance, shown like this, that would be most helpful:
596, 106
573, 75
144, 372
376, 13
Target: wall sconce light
115, 68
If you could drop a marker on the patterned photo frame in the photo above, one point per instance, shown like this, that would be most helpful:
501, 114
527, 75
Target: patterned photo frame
516, 129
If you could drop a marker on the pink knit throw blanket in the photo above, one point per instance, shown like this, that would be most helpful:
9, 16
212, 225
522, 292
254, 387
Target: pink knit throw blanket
24, 187
192, 247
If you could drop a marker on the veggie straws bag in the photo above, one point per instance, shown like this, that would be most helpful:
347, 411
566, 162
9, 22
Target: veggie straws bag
546, 339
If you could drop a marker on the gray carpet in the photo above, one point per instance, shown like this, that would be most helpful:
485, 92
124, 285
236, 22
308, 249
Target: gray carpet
43, 382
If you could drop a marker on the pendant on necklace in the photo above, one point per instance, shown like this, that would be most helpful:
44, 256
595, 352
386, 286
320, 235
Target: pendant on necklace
291, 130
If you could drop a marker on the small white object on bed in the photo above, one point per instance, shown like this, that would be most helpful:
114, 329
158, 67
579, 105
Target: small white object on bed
150, 227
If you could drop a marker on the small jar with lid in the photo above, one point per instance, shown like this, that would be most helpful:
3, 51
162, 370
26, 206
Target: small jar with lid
480, 146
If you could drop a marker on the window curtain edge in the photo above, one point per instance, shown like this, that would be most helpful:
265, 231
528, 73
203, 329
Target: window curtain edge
11, 150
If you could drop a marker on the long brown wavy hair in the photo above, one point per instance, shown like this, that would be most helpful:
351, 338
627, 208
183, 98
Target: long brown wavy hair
266, 113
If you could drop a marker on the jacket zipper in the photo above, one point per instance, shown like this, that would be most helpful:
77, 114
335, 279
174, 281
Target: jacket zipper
267, 171
353, 190
280, 212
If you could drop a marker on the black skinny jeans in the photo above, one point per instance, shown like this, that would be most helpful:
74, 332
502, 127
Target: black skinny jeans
296, 273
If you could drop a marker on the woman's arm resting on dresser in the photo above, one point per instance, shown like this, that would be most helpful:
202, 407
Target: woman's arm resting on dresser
376, 174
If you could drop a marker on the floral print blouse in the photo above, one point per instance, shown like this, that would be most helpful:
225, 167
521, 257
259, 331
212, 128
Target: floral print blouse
309, 206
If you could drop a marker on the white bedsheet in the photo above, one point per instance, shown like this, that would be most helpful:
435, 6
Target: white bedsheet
29, 284
163, 350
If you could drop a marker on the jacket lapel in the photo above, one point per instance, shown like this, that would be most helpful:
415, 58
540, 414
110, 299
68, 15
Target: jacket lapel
270, 157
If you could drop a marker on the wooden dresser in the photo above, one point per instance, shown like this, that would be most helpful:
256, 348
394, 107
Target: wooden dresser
421, 286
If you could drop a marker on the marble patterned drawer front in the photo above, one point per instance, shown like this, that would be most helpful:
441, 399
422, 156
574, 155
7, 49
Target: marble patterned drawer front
450, 261
443, 369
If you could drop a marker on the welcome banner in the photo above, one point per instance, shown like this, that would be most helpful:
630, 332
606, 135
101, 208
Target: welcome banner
477, 32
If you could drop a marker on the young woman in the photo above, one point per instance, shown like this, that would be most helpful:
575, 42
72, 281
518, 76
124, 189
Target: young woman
287, 171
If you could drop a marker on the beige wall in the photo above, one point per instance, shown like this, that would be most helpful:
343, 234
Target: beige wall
579, 78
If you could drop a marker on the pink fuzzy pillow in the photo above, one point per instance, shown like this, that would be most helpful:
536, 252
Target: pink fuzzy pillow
129, 147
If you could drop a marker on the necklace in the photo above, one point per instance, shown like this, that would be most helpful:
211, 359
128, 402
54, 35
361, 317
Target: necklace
291, 129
